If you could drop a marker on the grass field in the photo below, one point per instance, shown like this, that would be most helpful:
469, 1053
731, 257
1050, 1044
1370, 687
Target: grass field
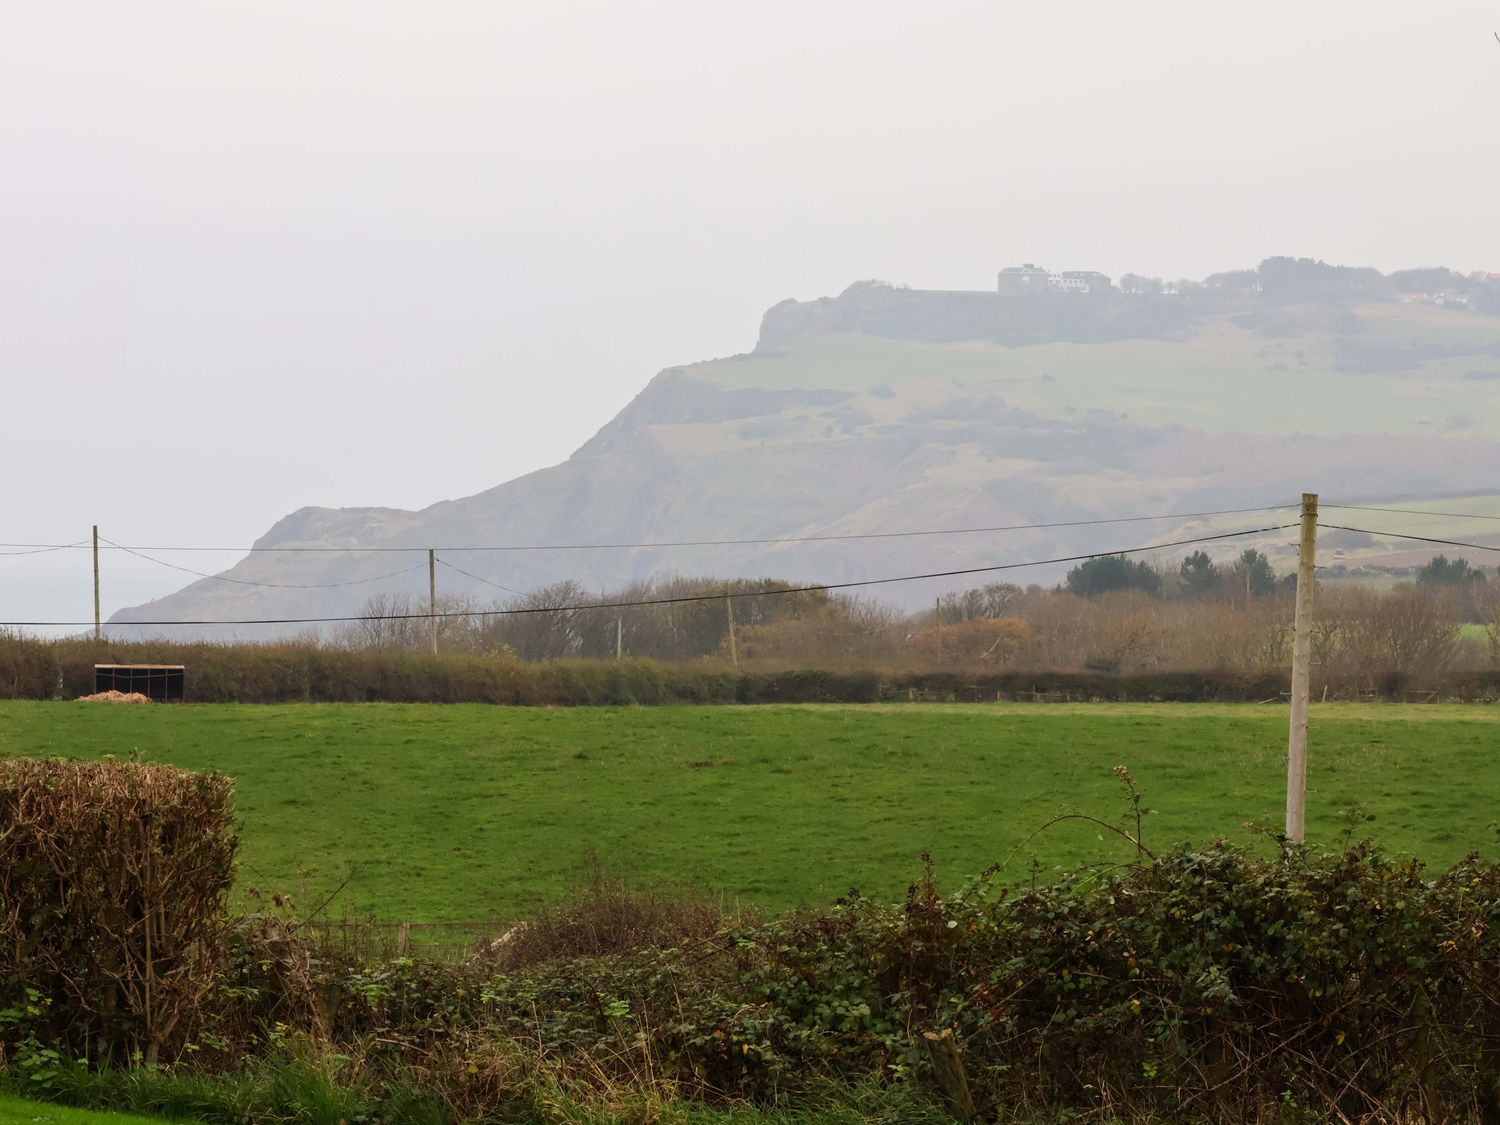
471, 812
16, 1111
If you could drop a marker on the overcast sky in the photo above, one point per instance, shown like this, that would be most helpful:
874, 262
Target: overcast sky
262, 255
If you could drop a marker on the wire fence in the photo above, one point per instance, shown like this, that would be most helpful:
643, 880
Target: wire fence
370, 940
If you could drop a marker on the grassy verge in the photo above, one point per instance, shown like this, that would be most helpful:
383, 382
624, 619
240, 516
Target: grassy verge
295, 1091
22, 1111
465, 812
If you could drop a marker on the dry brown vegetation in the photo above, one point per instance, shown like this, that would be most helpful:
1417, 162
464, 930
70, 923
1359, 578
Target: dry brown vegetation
811, 646
113, 878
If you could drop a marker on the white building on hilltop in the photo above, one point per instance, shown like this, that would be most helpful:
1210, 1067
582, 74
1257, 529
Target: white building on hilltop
1029, 278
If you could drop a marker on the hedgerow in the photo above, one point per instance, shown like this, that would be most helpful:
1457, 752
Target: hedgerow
1212, 983
292, 673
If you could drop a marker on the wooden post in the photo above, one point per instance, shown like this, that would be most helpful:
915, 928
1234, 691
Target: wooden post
1296, 746
432, 597
948, 1069
96, 582
937, 617
619, 637
734, 654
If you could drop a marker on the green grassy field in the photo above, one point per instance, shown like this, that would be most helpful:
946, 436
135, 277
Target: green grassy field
16, 1111
473, 812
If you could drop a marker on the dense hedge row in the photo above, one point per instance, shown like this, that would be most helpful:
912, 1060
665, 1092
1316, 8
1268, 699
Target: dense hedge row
1204, 985
32, 669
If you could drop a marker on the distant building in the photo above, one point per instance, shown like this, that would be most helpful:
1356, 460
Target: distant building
1019, 280
1080, 281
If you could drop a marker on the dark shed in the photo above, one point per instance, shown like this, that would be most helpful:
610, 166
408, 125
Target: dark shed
161, 683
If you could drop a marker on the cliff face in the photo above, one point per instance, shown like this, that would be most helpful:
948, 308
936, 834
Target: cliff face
893, 410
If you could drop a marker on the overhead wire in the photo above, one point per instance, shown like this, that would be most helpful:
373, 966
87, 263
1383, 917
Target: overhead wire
269, 585
680, 599
1412, 512
477, 578
1414, 538
707, 542
40, 549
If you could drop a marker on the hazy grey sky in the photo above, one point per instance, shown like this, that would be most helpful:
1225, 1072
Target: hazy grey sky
258, 256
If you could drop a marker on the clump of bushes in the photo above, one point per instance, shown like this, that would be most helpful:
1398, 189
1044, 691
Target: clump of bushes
113, 878
1209, 983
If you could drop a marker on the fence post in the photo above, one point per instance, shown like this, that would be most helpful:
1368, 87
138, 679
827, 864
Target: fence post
734, 654
948, 1069
403, 940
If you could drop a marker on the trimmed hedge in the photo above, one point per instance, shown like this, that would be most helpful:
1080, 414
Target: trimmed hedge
35, 669
113, 877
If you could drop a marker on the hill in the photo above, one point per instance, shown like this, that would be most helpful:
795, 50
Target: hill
887, 409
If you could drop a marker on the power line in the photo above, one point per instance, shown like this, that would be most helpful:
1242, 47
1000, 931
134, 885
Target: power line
702, 542
1415, 538
37, 549
486, 581
271, 585
822, 586
1413, 512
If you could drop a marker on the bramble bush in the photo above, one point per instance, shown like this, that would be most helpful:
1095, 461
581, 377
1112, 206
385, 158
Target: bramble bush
1206, 982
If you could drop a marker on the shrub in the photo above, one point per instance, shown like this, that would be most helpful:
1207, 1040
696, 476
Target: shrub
609, 917
112, 885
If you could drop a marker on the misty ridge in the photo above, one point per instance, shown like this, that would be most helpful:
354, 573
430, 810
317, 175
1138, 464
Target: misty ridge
1055, 397
1282, 298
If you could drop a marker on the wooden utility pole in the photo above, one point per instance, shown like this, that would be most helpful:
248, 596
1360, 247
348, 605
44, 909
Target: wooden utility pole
432, 597
937, 617
1296, 746
619, 637
96, 582
734, 654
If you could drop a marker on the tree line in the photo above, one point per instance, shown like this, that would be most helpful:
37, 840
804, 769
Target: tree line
1290, 280
1109, 614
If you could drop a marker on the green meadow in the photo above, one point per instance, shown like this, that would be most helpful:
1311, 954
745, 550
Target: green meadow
432, 813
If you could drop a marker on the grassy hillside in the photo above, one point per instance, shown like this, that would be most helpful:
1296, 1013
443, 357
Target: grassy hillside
471, 812
1405, 369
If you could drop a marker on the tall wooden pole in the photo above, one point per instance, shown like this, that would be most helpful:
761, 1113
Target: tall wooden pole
432, 597
619, 637
734, 654
937, 617
1296, 746
96, 582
